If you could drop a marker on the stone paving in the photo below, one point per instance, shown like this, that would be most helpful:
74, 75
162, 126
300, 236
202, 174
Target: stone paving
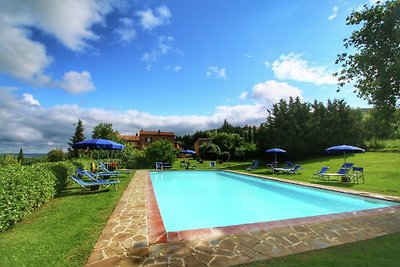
125, 239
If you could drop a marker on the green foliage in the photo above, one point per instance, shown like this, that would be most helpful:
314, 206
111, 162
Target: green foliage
78, 137
105, 131
388, 145
20, 158
303, 128
8, 160
210, 151
23, 189
161, 150
375, 64
62, 171
132, 158
56, 155
224, 156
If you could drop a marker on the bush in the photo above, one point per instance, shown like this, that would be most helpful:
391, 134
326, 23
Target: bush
132, 158
161, 150
62, 172
23, 189
8, 160
224, 156
210, 151
56, 155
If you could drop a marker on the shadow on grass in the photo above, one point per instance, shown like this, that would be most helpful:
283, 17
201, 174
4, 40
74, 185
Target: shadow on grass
333, 183
76, 191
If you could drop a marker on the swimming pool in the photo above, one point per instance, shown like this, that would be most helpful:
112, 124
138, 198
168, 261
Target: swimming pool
206, 199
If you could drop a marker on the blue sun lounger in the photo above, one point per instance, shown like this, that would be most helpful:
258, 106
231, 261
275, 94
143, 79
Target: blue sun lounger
253, 166
293, 170
342, 172
92, 176
320, 174
105, 171
95, 184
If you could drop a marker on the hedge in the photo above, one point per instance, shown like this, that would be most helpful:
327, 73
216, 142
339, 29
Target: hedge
62, 172
23, 189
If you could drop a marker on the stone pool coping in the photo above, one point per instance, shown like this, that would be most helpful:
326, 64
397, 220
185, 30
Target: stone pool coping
126, 239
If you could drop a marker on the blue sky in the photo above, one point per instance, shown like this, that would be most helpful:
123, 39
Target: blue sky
173, 65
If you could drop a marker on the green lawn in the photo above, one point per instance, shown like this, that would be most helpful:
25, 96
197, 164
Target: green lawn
63, 232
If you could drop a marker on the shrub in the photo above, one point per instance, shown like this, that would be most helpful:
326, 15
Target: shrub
132, 158
56, 155
23, 189
210, 151
62, 172
8, 160
161, 150
224, 156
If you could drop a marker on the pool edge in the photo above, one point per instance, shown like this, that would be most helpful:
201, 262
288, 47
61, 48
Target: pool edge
158, 233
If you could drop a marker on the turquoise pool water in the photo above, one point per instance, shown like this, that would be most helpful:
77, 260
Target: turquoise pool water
203, 199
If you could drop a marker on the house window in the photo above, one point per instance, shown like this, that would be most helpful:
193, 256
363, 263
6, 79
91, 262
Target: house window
148, 139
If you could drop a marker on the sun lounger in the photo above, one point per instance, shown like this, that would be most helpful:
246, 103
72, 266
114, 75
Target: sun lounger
342, 172
293, 170
94, 185
289, 164
347, 166
321, 173
107, 172
254, 165
94, 177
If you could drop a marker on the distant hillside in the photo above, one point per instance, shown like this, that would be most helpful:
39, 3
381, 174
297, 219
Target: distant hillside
27, 155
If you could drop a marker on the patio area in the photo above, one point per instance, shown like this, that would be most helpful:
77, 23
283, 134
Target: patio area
125, 241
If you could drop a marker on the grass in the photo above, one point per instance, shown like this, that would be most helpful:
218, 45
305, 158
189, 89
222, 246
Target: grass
63, 232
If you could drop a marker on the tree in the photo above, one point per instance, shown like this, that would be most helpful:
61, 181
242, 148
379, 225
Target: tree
105, 131
161, 150
375, 66
55, 155
20, 156
78, 136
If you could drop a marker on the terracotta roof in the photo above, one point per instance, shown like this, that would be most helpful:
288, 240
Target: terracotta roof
130, 137
156, 133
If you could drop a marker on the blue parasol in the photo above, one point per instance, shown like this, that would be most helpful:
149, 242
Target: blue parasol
343, 149
275, 151
187, 151
94, 144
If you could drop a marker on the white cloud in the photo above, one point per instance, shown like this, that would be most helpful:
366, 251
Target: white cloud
150, 19
19, 56
243, 96
28, 99
266, 63
272, 91
163, 47
248, 55
126, 32
334, 13
25, 127
177, 68
293, 67
69, 22
216, 71
77, 82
